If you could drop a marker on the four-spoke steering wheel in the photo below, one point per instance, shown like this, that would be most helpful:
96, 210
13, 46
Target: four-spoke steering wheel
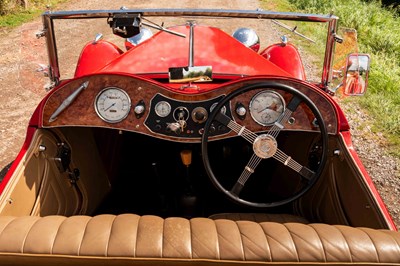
265, 145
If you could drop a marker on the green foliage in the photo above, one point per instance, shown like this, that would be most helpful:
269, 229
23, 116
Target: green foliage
3, 6
12, 14
15, 19
378, 35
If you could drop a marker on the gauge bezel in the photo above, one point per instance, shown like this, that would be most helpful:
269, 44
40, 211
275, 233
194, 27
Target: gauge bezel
112, 121
212, 107
162, 102
178, 109
270, 92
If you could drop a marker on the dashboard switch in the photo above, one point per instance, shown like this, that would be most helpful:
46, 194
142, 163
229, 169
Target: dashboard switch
199, 115
241, 111
139, 109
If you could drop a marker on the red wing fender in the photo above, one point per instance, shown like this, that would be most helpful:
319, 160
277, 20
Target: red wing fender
287, 57
94, 56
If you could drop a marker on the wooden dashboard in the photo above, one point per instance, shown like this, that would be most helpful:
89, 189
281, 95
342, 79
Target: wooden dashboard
82, 112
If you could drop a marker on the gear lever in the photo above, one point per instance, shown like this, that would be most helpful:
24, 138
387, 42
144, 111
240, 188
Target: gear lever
186, 157
188, 199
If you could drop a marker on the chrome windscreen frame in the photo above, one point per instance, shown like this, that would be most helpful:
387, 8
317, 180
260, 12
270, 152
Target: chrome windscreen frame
49, 17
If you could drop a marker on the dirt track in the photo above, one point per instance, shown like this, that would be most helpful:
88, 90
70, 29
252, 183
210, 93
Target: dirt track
22, 86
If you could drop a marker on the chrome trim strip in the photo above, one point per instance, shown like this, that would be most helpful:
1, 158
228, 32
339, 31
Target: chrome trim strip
48, 28
191, 12
191, 43
329, 54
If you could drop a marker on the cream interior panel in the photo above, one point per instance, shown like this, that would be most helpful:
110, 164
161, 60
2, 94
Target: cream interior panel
93, 181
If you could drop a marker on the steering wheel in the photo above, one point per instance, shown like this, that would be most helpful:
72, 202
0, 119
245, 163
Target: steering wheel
265, 145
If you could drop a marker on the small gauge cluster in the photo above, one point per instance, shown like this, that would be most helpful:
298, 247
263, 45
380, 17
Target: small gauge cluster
184, 119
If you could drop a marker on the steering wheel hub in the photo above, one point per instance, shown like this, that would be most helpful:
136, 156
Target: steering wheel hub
265, 146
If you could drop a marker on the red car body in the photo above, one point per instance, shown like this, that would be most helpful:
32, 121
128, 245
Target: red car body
143, 74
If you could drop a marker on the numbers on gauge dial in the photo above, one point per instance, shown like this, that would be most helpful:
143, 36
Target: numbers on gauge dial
162, 109
112, 104
266, 107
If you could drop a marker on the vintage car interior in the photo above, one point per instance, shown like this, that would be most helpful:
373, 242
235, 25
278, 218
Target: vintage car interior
132, 162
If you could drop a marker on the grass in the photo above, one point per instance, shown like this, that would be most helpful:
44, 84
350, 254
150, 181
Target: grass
15, 16
379, 36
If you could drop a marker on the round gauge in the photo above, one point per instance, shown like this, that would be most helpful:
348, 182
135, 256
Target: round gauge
266, 107
223, 109
112, 104
162, 109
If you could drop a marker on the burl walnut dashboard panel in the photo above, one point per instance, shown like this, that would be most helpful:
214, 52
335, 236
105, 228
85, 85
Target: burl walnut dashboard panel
172, 114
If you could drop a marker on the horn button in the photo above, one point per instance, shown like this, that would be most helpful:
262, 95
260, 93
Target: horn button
265, 146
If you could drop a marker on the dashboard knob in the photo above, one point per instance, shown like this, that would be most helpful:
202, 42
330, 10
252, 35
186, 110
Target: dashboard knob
212, 129
199, 115
157, 127
139, 109
241, 111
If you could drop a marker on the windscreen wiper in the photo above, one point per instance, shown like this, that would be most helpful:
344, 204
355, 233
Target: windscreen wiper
294, 30
128, 25
160, 27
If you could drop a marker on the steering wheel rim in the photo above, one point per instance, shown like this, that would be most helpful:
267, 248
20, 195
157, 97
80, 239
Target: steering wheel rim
267, 85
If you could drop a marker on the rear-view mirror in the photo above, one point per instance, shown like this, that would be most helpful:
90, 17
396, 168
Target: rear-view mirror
190, 74
357, 71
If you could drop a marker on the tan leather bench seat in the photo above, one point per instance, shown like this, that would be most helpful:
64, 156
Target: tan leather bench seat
260, 217
142, 240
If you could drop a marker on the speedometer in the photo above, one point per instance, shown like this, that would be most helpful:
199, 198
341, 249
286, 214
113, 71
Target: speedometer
112, 104
266, 107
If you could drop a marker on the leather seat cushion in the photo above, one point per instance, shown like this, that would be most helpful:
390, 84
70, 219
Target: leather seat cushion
260, 217
134, 239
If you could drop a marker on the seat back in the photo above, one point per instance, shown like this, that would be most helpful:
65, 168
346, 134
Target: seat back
142, 240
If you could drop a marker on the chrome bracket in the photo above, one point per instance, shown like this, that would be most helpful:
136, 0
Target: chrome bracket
40, 34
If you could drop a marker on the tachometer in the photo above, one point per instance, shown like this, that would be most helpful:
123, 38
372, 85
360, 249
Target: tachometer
112, 104
266, 107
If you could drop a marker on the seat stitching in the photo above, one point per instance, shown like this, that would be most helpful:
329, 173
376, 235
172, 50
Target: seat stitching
261, 248
347, 244
4, 229
26, 235
83, 236
241, 241
58, 229
190, 235
295, 247
163, 237
109, 236
230, 243
171, 243
326, 250
300, 237
137, 234
279, 242
201, 242
216, 230
373, 242
393, 238
266, 240
320, 241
